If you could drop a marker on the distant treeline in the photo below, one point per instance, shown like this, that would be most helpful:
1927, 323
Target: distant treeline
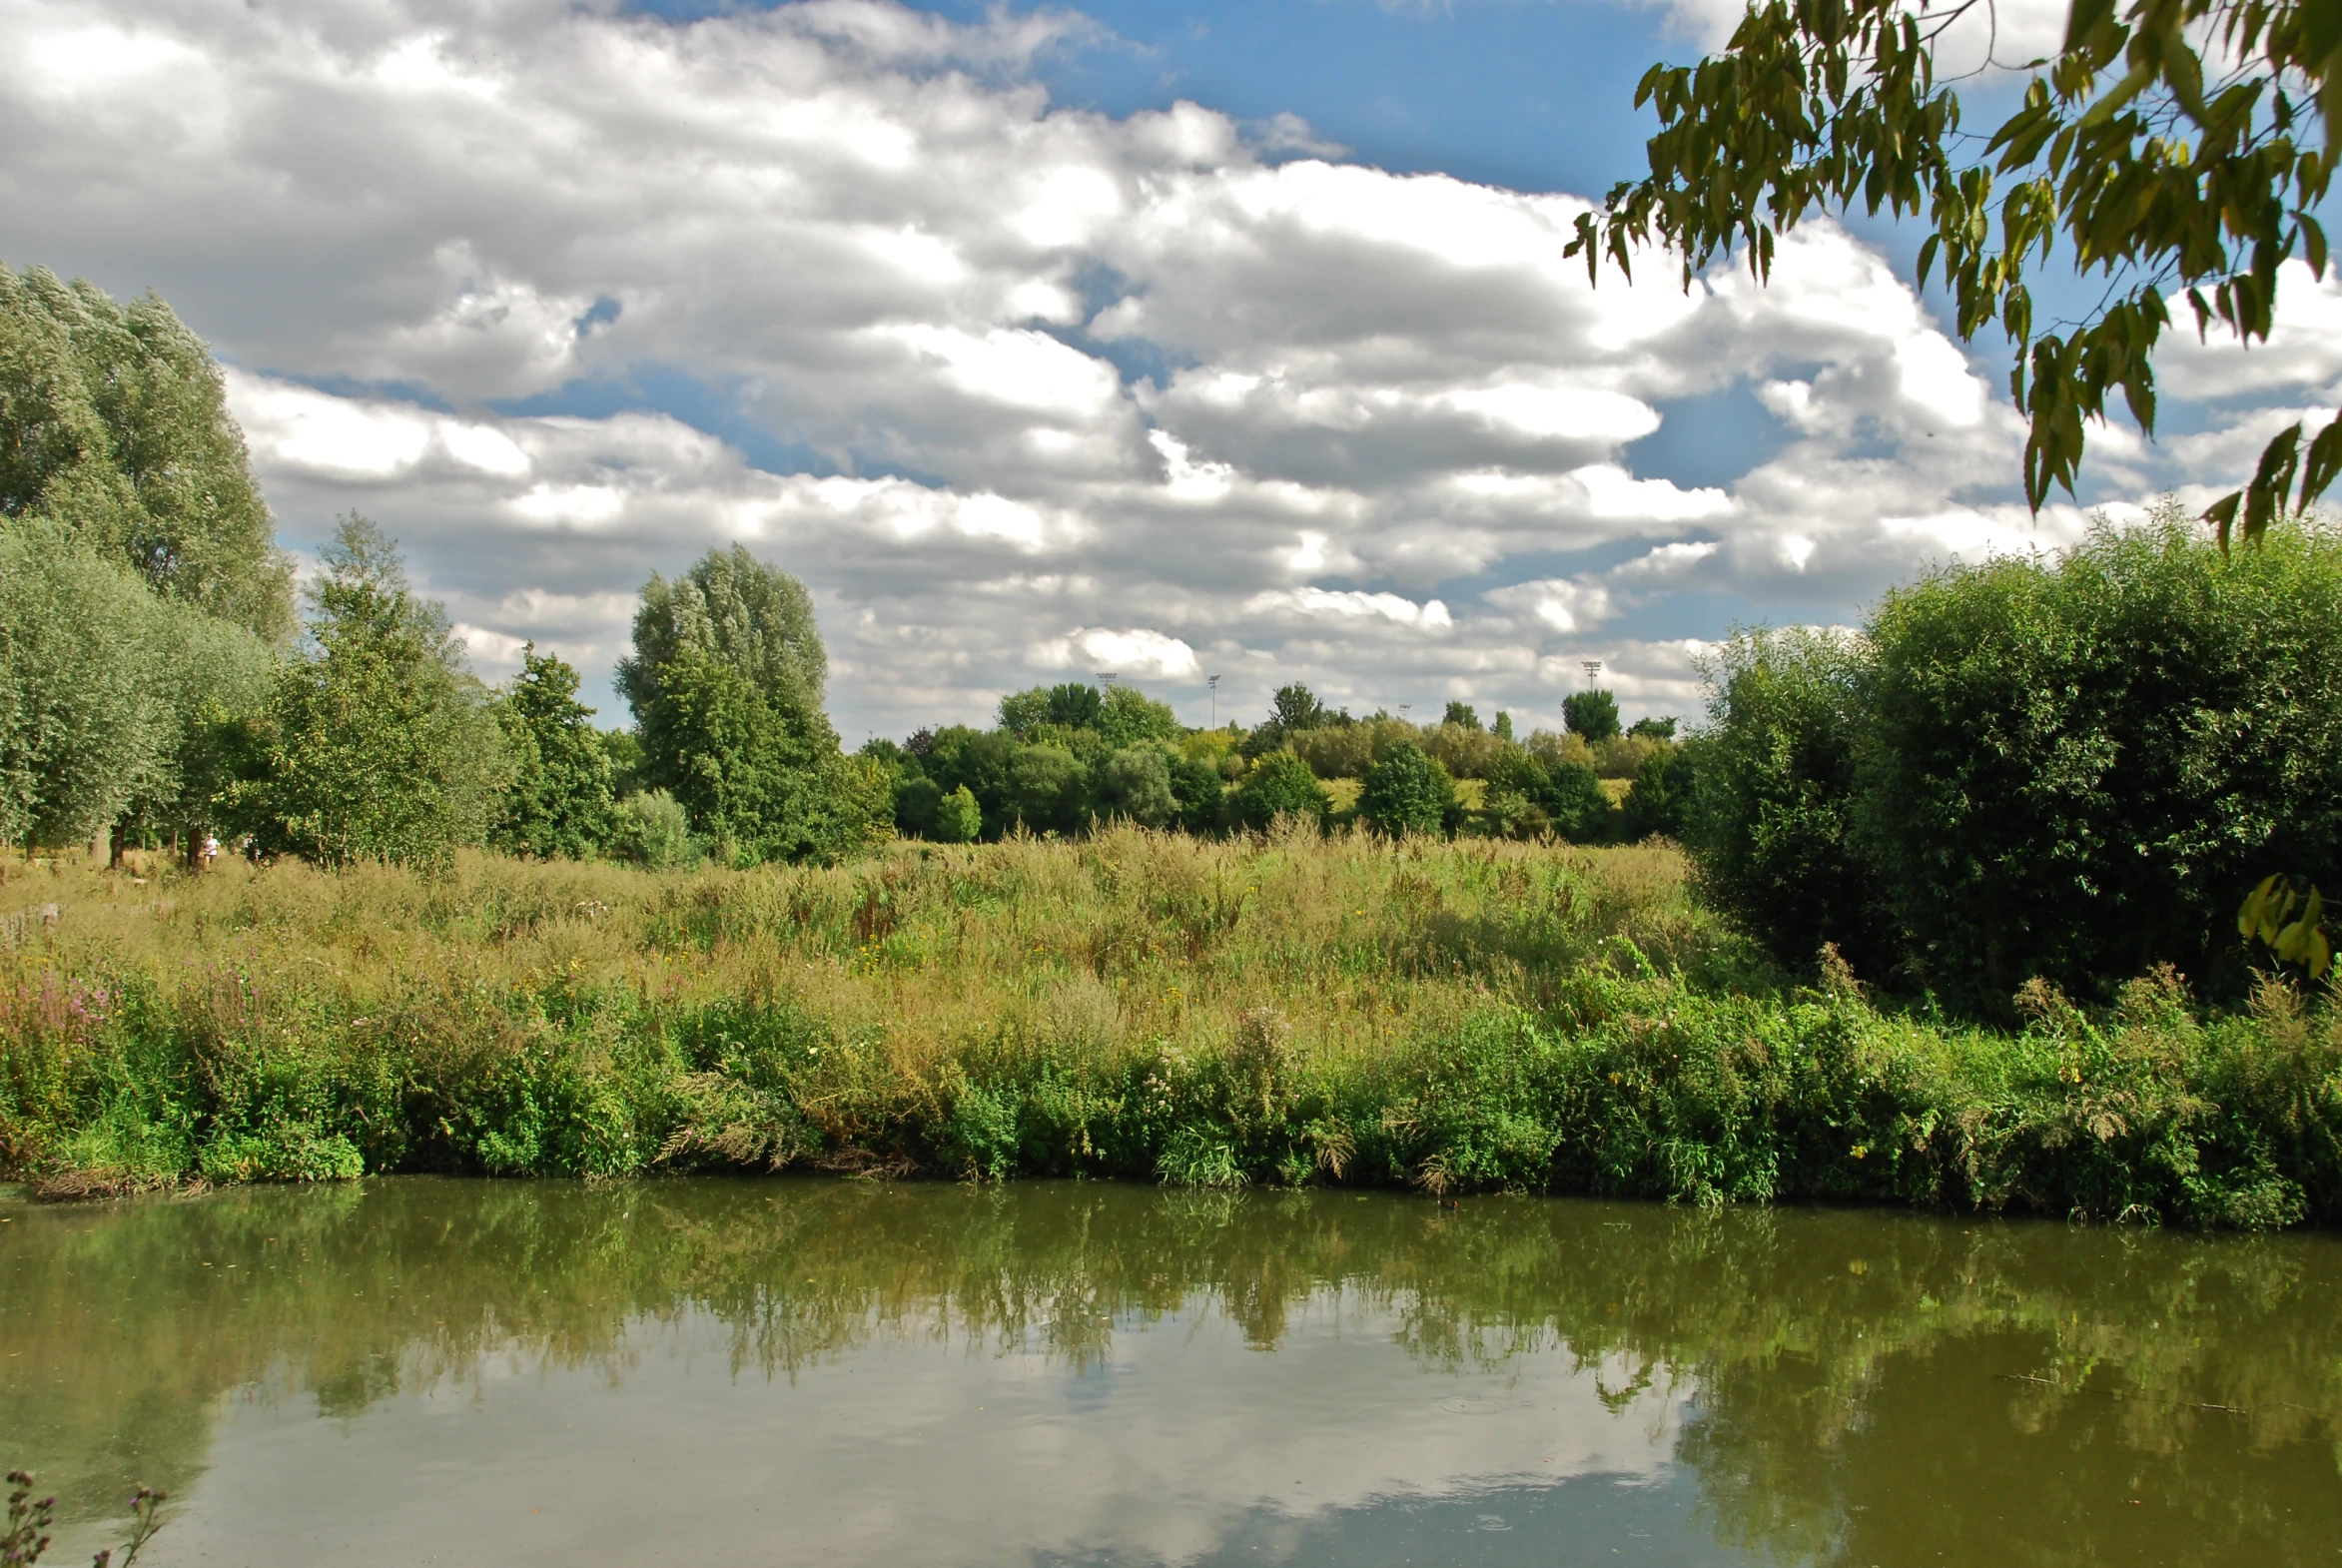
1064, 758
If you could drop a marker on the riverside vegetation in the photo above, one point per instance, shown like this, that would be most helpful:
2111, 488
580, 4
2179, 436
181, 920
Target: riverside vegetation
472, 930
1282, 1010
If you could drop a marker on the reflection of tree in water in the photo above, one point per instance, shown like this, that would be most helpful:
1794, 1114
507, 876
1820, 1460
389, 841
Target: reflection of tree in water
1858, 1382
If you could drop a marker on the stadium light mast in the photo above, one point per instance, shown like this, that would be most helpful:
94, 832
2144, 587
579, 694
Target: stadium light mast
1213, 682
1593, 669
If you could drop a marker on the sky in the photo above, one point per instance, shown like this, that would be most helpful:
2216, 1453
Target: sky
1049, 343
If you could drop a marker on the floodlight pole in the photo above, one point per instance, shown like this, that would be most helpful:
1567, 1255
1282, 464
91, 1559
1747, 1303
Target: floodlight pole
1213, 682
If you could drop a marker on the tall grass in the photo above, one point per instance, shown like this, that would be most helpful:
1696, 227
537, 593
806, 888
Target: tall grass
1288, 1010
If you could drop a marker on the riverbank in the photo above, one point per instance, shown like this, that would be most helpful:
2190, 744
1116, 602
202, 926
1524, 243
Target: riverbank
1452, 1017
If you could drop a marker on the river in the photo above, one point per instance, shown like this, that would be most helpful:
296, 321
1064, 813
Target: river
842, 1373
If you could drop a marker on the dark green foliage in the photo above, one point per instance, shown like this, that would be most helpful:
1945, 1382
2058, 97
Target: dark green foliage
1771, 820
1655, 802
624, 748
1407, 792
114, 430
2078, 768
1296, 707
1129, 716
1503, 725
764, 781
1464, 716
916, 802
1653, 728
1135, 785
380, 745
1070, 706
1575, 800
735, 609
560, 798
1591, 715
1200, 792
1047, 790
1279, 784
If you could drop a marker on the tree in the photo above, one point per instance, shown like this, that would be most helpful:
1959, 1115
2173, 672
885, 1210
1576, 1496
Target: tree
1197, 786
762, 780
1655, 802
1046, 786
958, 818
1295, 708
380, 744
560, 798
114, 427
215, 678
1406, 792
1462, 715
1069, 705
1591, 715
1503, 726
86, 720
733, 607
1134, 784
1129, 716
2175, 147
1652, 729
1279, 785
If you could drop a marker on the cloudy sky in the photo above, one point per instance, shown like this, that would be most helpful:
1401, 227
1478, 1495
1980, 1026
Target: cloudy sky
1169, 340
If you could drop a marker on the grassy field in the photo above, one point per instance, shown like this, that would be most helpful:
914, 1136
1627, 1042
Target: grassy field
1286, 1010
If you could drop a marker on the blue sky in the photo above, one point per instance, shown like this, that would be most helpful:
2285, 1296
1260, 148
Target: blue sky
1166, 341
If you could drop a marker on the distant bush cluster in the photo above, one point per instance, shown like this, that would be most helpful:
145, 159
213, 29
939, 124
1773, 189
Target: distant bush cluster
2068, 769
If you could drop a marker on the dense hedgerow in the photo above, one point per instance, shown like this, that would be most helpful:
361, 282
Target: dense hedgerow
1285, 1011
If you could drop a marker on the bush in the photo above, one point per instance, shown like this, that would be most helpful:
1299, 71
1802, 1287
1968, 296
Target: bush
958, 818
1408, 793
1654, 804
1046, 786
1771, 820
1279, 784
1135, 785
2076, 768
653, 828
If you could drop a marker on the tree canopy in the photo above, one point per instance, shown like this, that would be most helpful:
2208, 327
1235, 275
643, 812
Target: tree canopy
114, 430
2174, 148
732, 607
382, 745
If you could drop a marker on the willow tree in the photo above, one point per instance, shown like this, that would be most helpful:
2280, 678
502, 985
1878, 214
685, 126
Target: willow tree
114, 431
2176, 149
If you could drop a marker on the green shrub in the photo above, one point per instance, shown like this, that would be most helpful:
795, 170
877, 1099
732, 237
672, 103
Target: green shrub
2076, 767
1408, 793
1279, 784
958, 818
1135, 785
1772, 816
1657, 800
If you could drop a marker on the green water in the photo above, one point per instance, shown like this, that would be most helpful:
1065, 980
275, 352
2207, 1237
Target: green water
416, 1371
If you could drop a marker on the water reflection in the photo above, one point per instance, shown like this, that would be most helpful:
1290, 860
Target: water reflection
1063, 1374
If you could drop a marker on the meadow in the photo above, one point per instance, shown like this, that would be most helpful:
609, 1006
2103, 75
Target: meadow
1282, 1010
